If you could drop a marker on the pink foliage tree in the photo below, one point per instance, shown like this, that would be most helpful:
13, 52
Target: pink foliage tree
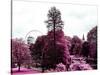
92, 39
38, 49
59, 53
20, 52
76, 45
69, 44
55, 49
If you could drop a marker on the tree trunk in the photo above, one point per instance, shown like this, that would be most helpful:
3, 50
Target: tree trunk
42, 69
67, 67
42, 63
19, 65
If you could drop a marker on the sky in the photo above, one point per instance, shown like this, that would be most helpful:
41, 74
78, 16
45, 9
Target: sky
29, 18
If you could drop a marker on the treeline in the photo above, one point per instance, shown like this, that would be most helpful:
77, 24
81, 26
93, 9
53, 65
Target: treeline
53, 48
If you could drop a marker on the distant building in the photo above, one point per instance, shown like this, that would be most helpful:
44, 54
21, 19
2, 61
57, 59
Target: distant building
30, 40
83, 38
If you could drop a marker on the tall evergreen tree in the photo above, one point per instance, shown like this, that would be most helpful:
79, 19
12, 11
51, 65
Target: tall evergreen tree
56, 50
54, 21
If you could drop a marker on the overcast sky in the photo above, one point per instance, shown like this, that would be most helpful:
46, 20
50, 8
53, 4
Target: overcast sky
28, 16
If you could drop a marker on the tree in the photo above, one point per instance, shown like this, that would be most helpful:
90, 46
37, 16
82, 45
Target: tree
37, 49
45, 51
68, 40
20, 52
56, 49
85, 49
52, 49
76, 45
92, 39
60, 54
54, 21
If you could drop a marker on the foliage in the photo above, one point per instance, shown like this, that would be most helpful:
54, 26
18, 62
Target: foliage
92, 39
76, 45
54, 19
59, 68
79, 66
79, 63
56, 54
20, 52
37, 49
69, 44
85, 49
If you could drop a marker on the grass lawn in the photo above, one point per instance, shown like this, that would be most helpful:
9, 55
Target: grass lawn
24, 71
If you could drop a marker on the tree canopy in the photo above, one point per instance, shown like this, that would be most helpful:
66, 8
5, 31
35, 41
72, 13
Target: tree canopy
54, 19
